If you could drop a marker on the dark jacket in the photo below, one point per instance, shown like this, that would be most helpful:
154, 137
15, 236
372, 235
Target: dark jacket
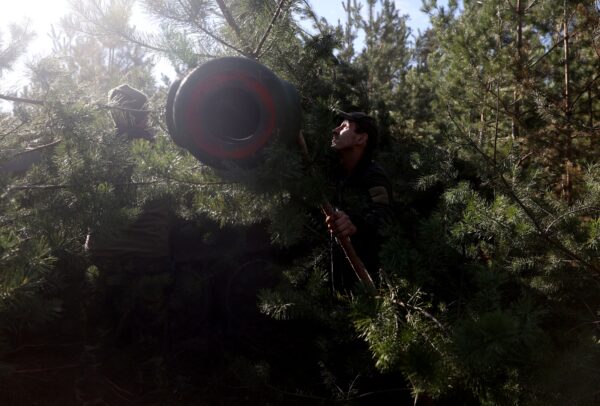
366, 196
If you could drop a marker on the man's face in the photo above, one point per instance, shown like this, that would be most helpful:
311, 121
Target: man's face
345, 136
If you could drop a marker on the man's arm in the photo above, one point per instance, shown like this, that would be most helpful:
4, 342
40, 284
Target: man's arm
340, 224
371, 219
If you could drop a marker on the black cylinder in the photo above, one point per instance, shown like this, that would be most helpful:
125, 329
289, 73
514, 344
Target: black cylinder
229, 109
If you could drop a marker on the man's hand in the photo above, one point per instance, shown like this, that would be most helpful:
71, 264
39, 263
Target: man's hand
340, 225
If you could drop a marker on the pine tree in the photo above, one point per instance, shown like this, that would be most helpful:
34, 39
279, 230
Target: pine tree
64, 172
489, 277
25, 256
513, 263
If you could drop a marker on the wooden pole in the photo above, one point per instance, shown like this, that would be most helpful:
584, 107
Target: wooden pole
345, 243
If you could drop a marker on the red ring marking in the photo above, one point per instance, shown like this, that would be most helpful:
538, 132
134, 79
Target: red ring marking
197, 102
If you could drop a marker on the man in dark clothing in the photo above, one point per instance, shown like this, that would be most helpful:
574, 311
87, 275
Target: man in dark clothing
363, 194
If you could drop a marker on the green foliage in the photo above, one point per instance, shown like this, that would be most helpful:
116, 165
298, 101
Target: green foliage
488, 288
15, 46
25, 262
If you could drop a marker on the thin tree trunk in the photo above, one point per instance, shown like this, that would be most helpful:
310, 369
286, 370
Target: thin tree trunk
567, 94
519, 73
257, 51
496, 127
497, 94
229, 18
234, 25
21, 99
482, 124
568, 187
349, 44
590, 107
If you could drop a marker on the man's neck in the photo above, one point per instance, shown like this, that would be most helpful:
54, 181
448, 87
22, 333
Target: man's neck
349, 159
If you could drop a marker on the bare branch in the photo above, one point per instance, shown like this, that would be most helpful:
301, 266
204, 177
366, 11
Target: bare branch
570, 212
222, 41
585, 89
556, 44
44, 370
149, 183
114, 107
198, 26
229, 18
11, 131
531, 5
21, 100
269, 28
423, 312
314, 17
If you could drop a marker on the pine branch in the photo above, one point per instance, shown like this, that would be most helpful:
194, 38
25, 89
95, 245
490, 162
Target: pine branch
187, 182
108, 29
37, 346
124, 34
423, 312
40, 370
381, 392
268, 31
71, 186
119, 390
313, 16
570, 212
506, 107
222, 41
511, 193
37, 148
12, 131
25, 159
585, 89
114, 107
296, 395
229, 18
199, 25
552, 48
189, 20
141, 43
21, 100
567, 122
531, 5
100, 105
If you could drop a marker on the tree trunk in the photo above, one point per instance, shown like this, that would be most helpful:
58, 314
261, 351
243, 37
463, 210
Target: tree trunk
519, 73
590, 107
568, 186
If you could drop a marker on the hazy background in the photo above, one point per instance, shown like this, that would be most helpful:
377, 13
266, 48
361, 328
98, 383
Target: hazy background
41, 14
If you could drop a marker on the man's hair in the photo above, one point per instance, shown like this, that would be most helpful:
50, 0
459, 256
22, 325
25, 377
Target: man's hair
363, 124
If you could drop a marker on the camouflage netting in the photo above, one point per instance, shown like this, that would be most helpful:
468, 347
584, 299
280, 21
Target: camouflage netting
126, 97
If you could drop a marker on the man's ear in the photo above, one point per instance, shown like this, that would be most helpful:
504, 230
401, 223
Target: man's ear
362, 139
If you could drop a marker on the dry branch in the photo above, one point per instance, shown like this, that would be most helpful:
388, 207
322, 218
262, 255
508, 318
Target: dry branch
269, 28
21, 99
